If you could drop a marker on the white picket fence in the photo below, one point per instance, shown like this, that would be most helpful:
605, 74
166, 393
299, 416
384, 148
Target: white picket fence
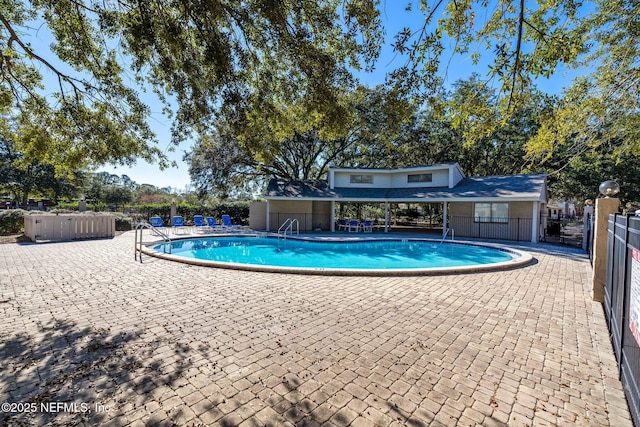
68, 227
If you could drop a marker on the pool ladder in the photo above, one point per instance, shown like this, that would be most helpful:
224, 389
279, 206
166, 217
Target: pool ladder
137, 244
444, 235
287, 226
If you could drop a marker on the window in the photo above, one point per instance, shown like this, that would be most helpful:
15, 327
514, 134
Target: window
361, 179
421, 177
491, 212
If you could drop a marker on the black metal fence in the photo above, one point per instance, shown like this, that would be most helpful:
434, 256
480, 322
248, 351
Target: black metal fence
622, 303
518, 229
589, 233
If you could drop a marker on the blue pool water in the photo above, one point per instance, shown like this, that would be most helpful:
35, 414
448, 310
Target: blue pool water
365, 255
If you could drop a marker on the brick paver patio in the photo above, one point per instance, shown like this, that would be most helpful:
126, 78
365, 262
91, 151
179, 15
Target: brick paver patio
91, 336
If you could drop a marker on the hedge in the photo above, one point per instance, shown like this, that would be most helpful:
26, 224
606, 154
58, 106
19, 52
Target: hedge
12, 220
238, 211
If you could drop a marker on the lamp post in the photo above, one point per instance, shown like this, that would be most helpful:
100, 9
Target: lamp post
609, 189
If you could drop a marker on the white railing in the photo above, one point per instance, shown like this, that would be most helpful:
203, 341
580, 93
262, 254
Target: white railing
287, 226
69, 227
137, 244
444, 235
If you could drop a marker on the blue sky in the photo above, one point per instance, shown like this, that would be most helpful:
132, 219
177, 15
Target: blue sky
394, 17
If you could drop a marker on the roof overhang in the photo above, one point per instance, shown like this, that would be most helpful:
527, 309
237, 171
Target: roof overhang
406, 200
515, 188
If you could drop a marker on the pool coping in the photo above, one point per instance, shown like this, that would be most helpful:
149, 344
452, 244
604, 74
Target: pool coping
523, 258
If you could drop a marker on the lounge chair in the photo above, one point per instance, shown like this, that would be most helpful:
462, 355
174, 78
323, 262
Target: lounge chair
200, 225
157, 224
354, 225
213, 224
367, 226
226, 222
342, 224
178, 225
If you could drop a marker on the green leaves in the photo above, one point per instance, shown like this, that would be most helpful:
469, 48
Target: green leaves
599, 111
520, 40
256, 62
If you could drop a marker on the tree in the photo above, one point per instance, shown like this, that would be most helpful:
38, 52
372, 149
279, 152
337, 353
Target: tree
209, 57
220, 162
27, 178
603, 107
117, 195
580, 178
520, 41
524, 41
470, 136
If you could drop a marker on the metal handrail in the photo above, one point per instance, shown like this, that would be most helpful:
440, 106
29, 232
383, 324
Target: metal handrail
287, 225
297, 223
444, 236
284, 225
137, 245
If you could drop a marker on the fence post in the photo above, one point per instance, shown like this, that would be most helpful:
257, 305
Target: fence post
604, 207
586, 219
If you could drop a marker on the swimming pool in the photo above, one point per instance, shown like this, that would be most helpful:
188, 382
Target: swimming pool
366, 256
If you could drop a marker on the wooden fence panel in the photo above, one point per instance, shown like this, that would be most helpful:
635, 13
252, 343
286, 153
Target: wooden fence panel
68, 227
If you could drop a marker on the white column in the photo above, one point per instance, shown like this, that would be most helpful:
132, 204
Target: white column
268, 216
333, 216
535, 222
386, 217
444, 218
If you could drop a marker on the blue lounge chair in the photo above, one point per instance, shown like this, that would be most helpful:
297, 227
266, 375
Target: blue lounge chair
213, 224
156, 223
342, 224
226, 222
367, 226
178, 225
354, 225
200, 225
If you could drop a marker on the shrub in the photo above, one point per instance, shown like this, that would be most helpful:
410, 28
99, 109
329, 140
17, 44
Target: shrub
12, 220
238, 211
123, 222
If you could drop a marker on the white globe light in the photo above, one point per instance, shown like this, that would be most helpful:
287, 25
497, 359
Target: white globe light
609, 188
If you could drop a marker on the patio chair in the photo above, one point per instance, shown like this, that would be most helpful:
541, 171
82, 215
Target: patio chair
342, 224
200, 225
178, 225
354, 225
226, 222
157, 224
367, 226
213, 224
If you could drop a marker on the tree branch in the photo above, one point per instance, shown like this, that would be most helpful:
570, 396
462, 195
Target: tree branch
14, 38
516, 65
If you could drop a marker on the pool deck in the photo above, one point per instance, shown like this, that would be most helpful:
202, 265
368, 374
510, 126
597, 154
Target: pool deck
90, 336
